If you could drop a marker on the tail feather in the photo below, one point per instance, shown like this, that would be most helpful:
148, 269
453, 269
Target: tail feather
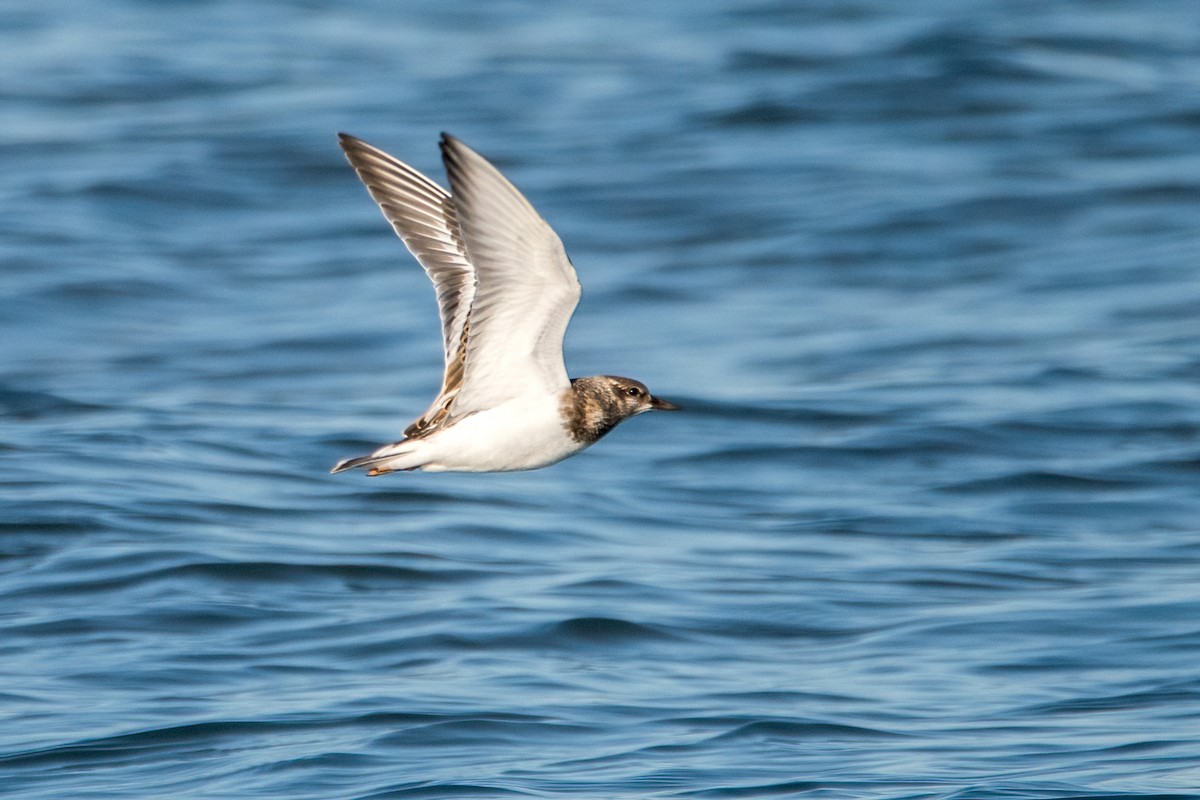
377, 462
351, 463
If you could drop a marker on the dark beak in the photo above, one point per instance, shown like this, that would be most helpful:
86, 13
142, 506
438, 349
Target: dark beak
658, 404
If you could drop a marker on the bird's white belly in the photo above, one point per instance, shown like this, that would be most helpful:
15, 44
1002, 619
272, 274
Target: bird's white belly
526, 433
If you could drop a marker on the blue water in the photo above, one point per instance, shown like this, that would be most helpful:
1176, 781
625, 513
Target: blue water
926, 276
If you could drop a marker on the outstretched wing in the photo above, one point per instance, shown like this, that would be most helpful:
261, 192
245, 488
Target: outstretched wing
526, 288
424, 216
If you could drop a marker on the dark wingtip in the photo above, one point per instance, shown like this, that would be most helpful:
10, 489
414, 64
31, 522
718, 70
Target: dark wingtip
349, 142
451, 144
452, 154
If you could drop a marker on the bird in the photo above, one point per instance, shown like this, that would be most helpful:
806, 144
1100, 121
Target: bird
506, 290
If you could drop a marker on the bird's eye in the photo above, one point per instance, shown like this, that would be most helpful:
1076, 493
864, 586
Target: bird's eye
633, 391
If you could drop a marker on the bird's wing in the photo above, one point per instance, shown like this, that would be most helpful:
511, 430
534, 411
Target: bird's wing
526, 288
424, 216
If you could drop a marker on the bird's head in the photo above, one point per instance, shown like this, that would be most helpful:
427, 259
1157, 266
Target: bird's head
633, 397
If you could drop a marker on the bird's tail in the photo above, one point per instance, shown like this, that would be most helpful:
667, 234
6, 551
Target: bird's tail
384, 460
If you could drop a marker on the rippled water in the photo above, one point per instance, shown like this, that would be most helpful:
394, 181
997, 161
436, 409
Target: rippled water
924, 274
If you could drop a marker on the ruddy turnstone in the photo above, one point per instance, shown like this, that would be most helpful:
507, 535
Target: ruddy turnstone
506, 290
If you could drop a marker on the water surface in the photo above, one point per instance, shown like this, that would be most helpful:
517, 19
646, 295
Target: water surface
923, 274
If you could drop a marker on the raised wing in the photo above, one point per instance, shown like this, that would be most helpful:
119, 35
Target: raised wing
424, 216
526, 288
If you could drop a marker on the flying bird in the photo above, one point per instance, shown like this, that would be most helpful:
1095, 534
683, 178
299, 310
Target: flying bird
506, 291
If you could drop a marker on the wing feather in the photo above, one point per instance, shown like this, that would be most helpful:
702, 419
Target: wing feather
424, 216
526, 288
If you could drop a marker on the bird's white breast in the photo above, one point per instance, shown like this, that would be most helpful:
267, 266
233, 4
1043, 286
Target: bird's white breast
524, 433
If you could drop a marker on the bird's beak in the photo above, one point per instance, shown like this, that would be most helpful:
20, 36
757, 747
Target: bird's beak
658, 404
